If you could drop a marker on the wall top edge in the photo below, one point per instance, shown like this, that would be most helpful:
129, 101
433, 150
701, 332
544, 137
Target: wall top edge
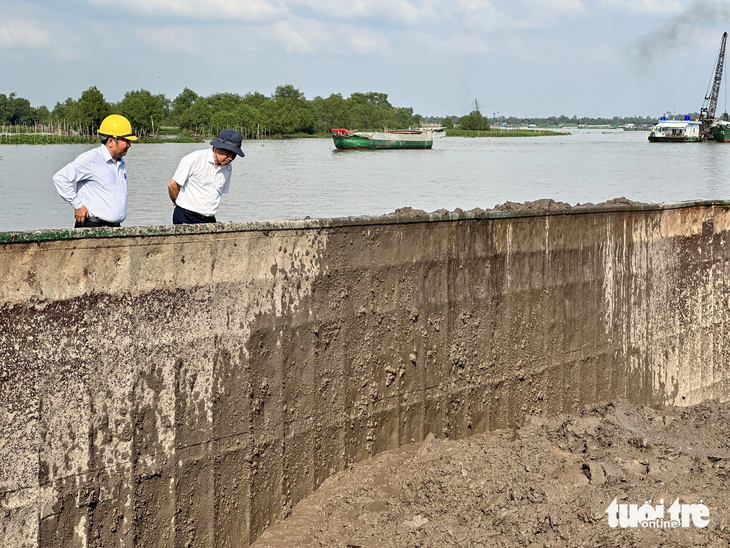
398, 217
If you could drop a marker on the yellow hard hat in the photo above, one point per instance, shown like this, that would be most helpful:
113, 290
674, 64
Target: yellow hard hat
115, 125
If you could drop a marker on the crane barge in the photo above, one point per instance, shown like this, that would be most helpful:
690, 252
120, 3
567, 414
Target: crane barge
706, 127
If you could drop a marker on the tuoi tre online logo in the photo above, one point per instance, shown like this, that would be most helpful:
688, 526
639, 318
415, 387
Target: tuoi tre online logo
648, 516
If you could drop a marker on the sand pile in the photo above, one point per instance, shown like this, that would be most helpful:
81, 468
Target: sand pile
548, 483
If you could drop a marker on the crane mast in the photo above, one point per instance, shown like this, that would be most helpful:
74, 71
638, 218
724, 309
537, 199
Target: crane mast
707, 112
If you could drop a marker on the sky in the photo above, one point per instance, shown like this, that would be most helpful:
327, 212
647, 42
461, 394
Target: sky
525, 58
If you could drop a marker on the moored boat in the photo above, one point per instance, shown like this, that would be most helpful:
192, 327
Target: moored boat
675, 131
721, 131
400, 139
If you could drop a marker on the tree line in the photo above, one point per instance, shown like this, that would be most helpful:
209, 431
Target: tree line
16, 110
286, 112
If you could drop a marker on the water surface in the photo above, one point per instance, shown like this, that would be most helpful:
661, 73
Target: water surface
293, 179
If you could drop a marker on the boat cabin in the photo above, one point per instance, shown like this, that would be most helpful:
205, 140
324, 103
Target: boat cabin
675, 130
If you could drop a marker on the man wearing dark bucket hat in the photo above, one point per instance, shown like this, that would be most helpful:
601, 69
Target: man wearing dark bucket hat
201, 178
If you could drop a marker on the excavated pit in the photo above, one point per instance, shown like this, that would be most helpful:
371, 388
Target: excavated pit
548, 484
165, 386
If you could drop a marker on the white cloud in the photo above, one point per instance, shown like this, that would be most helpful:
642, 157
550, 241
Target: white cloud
482, 16
564, 6
538, 49
394, 10
309, 36
294, 40
458, 44
25, 34
402, 11
175, 39
205, 9
644, 6
368, 42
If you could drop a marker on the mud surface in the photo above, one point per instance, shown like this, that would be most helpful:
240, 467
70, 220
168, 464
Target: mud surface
548, 483
545, 205
538, 206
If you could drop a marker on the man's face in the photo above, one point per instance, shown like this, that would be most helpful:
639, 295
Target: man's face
223, 157
118, 147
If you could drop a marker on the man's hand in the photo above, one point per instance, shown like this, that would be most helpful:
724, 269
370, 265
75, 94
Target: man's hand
81, 214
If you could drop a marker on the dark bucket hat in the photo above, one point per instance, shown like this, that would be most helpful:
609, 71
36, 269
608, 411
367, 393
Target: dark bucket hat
229, 140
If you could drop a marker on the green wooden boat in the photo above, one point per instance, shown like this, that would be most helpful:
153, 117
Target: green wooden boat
401, 139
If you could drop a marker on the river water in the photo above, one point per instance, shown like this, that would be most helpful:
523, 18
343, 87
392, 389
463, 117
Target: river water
293, 179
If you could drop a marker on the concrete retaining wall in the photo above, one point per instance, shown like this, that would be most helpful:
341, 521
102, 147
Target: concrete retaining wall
187, 387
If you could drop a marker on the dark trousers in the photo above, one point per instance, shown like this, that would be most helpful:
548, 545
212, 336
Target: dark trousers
94, 222
182, 216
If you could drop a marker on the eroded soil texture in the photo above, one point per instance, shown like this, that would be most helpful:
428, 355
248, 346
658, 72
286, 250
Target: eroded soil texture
547, 484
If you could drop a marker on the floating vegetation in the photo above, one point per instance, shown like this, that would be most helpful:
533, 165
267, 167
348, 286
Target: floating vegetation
176, 139
503, 133
45, 139
40, 134
62, 133
49, 139
308, 136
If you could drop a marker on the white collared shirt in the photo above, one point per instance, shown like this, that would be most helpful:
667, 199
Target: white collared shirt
96, 181
202, 184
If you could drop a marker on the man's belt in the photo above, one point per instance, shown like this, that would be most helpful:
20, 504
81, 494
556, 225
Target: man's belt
206, 218
97, 220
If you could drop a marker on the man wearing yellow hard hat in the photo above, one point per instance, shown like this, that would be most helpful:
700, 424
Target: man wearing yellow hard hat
95, 183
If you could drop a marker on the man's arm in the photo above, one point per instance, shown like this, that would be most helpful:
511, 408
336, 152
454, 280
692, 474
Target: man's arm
173, 189
181, 174
66, 179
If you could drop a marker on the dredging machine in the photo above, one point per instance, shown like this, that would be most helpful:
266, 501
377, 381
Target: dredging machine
706, 127
711, 128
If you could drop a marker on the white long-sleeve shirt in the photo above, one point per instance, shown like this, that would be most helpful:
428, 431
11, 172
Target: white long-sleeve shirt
96, 181
202, 184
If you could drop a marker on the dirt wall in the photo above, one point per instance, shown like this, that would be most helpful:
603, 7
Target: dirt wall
187, 387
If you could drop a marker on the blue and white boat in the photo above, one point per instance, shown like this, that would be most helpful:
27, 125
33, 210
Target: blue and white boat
675, 131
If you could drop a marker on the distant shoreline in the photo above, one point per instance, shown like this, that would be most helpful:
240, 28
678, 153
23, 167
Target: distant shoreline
48, 139
499, 133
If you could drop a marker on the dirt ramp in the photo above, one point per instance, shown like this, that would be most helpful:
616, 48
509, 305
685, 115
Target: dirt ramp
549, 483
